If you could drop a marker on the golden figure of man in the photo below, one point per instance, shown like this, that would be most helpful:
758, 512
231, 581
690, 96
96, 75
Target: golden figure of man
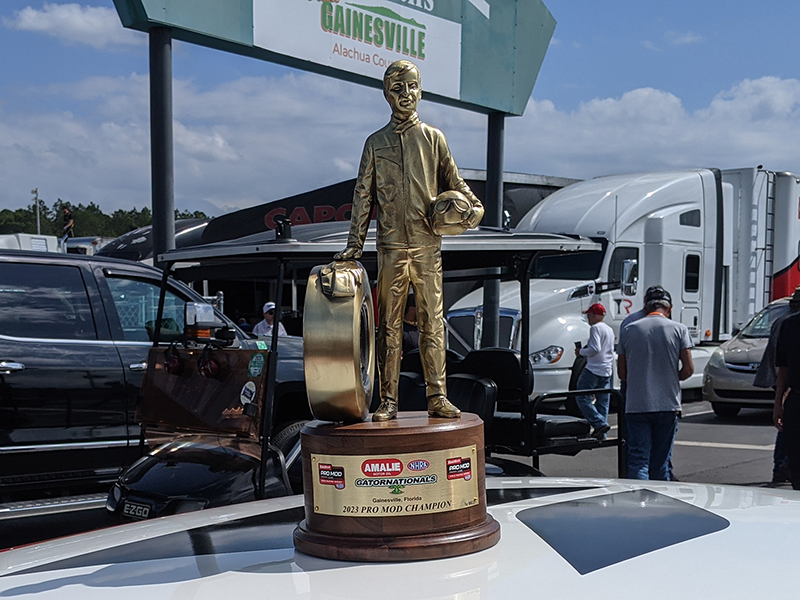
404, 166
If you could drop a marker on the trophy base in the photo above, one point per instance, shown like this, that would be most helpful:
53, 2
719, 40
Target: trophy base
412, 488
398, 548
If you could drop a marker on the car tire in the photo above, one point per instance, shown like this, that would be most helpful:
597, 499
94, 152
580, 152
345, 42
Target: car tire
725, 410
288, 435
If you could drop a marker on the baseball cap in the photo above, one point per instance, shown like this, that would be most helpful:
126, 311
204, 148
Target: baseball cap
269, 306
595, 309
653, 289
661, 294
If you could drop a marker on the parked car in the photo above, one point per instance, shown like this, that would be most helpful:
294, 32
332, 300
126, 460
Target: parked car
75, 332
728, 377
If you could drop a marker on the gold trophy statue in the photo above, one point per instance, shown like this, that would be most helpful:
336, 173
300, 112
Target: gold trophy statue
407, 487
403, 167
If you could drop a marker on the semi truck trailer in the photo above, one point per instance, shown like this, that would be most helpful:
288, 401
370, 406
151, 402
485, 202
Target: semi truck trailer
724, 243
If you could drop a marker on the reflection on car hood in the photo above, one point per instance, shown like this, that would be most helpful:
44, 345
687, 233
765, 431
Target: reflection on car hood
560, 538
743, 350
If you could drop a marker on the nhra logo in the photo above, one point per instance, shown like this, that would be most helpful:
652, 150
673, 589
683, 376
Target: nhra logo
382, 467
330, 475
418, 465
459, 468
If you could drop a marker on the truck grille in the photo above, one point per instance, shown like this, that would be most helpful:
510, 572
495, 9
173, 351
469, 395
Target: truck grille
462, 334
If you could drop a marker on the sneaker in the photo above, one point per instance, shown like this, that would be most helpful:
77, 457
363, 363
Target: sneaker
780, 475
599, 433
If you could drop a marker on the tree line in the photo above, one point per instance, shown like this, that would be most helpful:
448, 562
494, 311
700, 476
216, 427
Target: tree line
89, 220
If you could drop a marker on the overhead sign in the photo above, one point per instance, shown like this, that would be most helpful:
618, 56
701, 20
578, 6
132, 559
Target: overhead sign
482, 55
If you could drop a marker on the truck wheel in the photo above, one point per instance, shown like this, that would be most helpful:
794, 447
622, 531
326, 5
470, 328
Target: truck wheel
288, 435
725, 410
339, 346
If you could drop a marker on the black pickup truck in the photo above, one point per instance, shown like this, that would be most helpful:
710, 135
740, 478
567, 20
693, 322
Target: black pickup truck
74, 338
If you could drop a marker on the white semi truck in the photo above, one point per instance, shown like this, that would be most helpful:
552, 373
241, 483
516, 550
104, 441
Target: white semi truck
724, 243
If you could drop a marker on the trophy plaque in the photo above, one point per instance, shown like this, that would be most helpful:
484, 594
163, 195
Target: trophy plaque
407, 489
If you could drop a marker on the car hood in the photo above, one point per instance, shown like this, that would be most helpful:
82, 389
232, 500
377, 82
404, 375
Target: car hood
190, 469
743, 350
560, 539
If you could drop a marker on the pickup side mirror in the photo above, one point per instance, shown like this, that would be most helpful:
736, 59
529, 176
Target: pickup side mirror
630, 277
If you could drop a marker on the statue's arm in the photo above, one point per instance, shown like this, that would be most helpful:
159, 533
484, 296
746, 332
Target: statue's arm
362, 206
451, 180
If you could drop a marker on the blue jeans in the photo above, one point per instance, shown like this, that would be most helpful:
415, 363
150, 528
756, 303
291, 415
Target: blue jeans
650, 439
597, 413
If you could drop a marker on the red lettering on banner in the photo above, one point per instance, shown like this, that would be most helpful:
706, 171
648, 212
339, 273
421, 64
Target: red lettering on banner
323, 212
343, 213
269, 218
299, 216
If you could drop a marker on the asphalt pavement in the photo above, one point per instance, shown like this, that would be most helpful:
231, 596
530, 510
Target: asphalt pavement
708, 449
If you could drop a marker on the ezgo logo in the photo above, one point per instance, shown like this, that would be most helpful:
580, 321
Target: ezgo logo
382, 467
418, 465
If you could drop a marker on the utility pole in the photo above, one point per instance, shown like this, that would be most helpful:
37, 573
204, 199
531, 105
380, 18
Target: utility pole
35, 192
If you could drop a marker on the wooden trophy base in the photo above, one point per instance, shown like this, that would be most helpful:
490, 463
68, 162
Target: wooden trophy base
408, 489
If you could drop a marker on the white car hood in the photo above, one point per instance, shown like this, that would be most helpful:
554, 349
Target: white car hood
560, 538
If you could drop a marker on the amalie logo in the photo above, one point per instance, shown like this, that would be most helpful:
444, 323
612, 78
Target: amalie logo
418, 465
382, 467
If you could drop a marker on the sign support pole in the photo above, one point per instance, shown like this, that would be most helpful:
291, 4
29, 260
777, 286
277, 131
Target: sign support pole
493, 217
161, 158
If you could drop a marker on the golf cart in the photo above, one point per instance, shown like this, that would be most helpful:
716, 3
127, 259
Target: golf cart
223, 410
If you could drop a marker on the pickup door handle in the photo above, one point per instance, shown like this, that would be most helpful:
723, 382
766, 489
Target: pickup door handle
7, 366
142, 366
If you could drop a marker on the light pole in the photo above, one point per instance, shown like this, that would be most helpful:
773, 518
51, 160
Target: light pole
35, 192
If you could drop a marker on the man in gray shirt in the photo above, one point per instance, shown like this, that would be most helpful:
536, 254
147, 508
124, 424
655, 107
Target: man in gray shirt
649, 353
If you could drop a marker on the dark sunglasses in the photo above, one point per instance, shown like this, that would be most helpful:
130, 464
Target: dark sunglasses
270, 312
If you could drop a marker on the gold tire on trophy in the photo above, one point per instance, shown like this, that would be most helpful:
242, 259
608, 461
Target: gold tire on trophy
339, 345
408, 489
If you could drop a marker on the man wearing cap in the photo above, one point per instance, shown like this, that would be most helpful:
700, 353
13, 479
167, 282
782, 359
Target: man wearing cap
265, 327
599, 354
632, 318
654, 357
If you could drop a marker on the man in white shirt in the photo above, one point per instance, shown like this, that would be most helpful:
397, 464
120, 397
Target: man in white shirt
265, 327
599, 354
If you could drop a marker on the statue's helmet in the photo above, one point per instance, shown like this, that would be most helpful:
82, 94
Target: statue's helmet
448, 213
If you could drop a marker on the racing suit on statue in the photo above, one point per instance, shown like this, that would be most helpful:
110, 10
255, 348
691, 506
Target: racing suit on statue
403, 168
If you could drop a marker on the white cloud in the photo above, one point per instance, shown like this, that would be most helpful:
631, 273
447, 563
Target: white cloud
256, 139
96, 26
683, 39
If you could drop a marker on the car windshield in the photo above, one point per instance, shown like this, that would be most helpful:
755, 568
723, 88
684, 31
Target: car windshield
760, 325
572, 265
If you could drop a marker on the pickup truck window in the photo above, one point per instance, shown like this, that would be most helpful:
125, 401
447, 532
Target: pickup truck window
44, 302
136, 303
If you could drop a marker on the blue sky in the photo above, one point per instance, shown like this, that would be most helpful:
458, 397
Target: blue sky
626, 86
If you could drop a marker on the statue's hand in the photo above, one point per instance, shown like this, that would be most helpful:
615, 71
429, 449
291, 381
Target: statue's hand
473, 216
351, 252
